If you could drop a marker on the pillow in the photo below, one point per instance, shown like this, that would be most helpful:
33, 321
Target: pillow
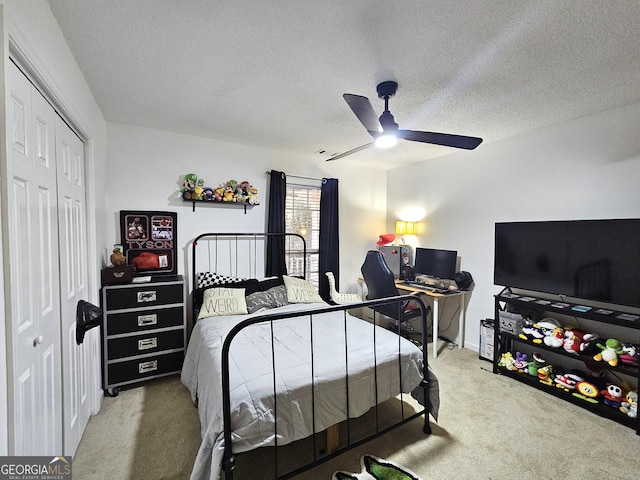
300, 291
272, 298
269, 283
223, 301
208, 279
250, 285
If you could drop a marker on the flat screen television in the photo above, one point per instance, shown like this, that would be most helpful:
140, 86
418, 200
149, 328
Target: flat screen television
587, 259
440, 264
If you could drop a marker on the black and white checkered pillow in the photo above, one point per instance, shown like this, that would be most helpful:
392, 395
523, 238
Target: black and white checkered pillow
210, 279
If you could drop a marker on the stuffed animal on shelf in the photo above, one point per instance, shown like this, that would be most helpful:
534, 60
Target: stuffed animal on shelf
188, 186
575, 339
610, 351
228, 195
630, 404
252, 198
520, 362
218, 194
630, 355
545, 374
612, 395
555, 339
538, 331
587, 391
506, 361
117, 258
568, 381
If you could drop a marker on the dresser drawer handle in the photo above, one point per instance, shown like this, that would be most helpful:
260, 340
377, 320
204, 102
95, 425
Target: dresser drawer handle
148, 296
147, 343
144, 320
145, 367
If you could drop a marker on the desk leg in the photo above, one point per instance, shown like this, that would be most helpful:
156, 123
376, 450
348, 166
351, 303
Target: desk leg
436, 319
462, 317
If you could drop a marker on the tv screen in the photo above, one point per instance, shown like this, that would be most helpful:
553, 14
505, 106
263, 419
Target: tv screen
436, 263
589, 259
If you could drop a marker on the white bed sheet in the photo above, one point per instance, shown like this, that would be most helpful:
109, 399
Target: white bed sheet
251, 377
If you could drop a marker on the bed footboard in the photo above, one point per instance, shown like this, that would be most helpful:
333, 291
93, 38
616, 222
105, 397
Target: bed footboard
336, 443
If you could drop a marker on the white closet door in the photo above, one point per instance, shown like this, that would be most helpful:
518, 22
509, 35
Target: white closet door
34, 271
73, 282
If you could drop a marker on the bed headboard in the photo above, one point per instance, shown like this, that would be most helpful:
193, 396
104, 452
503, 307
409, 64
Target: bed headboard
240, 254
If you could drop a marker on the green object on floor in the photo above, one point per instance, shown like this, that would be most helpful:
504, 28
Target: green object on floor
374, 468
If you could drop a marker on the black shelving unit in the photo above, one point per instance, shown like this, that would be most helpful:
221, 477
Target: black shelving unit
505, 341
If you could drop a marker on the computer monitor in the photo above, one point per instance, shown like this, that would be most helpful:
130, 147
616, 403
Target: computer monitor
440, 264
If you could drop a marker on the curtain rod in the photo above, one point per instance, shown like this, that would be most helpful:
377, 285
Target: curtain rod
298, 176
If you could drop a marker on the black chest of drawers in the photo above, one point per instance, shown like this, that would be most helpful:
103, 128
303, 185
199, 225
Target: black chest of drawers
143, 334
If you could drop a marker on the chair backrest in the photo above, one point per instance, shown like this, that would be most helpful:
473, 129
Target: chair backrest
378, 276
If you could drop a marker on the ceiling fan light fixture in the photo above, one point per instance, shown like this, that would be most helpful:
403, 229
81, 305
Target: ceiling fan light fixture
386, 140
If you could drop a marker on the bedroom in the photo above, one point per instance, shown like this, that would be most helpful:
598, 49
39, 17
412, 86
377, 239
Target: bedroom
584, 166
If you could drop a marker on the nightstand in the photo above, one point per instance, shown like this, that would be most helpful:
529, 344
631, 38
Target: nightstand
143, 331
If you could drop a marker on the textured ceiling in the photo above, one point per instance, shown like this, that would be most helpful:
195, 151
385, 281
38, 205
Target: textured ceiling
271, 73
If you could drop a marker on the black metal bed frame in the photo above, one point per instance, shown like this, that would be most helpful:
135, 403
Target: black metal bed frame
229, 458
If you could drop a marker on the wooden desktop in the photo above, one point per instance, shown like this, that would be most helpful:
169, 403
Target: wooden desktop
437, 297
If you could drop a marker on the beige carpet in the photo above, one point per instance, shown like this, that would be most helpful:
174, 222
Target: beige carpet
491, 427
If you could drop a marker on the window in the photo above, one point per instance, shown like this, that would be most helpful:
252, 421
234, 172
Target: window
302, 216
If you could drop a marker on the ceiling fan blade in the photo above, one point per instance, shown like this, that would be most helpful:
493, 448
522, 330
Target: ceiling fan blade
361, 106
446, 139
349, 152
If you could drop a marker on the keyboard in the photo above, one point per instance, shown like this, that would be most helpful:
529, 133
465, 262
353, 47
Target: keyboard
429, 288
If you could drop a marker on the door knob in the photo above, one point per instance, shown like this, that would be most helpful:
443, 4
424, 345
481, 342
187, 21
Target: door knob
38, 340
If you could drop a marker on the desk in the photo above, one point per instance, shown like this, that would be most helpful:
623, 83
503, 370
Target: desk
436, 310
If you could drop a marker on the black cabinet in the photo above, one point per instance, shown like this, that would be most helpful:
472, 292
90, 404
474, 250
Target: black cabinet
143, 334
547, 365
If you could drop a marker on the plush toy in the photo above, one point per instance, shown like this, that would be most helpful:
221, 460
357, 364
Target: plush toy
630, 355
612, 395
231, 184
252, 197
228, 195
520, 362
568, 381
239, 194
610, 351
555, 339
506, 361
117, 258
188, 186
207, 193
575, 338
587, 391
536, 332
545, 374
630, 405
535, 365
218, 194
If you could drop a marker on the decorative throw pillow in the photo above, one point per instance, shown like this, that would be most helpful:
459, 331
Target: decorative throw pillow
209, 279
272, 298
223, 301
300, 291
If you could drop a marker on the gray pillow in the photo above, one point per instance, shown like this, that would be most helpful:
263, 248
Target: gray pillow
271, 298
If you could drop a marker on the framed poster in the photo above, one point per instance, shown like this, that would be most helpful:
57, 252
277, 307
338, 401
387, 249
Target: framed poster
149, 241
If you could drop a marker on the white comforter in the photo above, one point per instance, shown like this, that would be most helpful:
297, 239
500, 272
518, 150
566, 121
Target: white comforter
251, 377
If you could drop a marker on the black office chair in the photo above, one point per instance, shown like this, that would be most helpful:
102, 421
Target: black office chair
380, 284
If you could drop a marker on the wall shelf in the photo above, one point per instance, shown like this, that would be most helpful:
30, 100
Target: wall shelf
216, 202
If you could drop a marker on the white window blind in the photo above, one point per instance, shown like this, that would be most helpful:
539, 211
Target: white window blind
302, 216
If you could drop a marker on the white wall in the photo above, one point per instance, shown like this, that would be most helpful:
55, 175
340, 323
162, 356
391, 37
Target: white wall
146, 170
584, 169
36, 37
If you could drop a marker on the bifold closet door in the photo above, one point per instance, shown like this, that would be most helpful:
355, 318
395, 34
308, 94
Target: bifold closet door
35, 350
48, 275
73, 282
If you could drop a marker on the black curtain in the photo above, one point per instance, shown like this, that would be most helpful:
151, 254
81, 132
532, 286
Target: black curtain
329, 241
276, 265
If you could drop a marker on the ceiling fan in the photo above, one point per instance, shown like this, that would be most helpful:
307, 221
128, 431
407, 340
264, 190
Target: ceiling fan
384, 130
